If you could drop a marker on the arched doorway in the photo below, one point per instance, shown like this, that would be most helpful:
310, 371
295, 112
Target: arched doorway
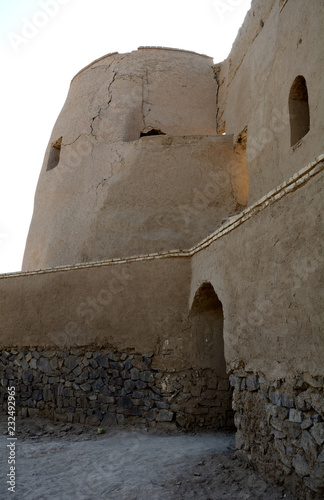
207, 323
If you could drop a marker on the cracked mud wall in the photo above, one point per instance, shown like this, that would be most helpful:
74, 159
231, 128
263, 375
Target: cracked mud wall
115, 194
276, 43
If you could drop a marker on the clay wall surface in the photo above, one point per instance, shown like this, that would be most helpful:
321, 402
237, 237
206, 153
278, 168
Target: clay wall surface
273, 302
276, 43
276, 251
105, 305
273, 329
134, 342
111, 344
154, 194
96, 154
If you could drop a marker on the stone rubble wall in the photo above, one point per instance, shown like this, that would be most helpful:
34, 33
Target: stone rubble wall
280, 428
108, 387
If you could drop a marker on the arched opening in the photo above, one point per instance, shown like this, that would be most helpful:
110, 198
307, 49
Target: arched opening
207, 320
54, 155
298, 110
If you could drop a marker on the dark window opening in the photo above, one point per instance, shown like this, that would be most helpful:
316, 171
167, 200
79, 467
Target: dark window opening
153, 131
298, 110
54, 156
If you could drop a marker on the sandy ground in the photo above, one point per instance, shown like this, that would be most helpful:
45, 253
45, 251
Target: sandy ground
73, 462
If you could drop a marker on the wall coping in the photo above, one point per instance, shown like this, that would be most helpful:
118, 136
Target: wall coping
298, 180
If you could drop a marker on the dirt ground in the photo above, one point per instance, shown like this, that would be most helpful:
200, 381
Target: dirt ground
58, 461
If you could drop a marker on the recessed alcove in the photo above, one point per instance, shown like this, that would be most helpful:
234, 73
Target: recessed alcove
54, 155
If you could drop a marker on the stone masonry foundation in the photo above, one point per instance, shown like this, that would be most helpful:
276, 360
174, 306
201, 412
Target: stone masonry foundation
108, 387
280, 428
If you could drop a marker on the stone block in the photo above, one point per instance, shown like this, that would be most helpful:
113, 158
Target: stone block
70, 363
113, 355
276, 423
271, 411
275, 397
129, 385
148, 402
209, 394
92, 420
27, 377
93, 363
108, 420
128, 364
97, 385
137, 395
295, 416
121, 420
125, 402
162, 405
146, 377
116, 365
102, 361
164, 416
252, 384
136, 411
278, 434
239, 440
47, 394
301, 466
77, 371
309, 446
287, 401
86, 387
235, 381
317, 431
33, 364
141, 385
292, 429
134, 374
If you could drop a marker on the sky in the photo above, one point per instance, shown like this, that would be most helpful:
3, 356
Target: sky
44, 43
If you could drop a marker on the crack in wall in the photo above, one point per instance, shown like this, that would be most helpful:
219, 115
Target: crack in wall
217, 70
109, 87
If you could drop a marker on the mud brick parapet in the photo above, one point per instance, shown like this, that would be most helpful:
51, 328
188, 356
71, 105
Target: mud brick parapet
108, 387
280, 428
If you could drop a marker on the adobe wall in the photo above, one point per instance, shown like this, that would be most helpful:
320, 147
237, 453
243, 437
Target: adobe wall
273, 301
117, 342
273, 329
278, 41
128, 194
144, 196
109, 344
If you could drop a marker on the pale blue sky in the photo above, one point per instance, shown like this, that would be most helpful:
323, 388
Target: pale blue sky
45, 42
